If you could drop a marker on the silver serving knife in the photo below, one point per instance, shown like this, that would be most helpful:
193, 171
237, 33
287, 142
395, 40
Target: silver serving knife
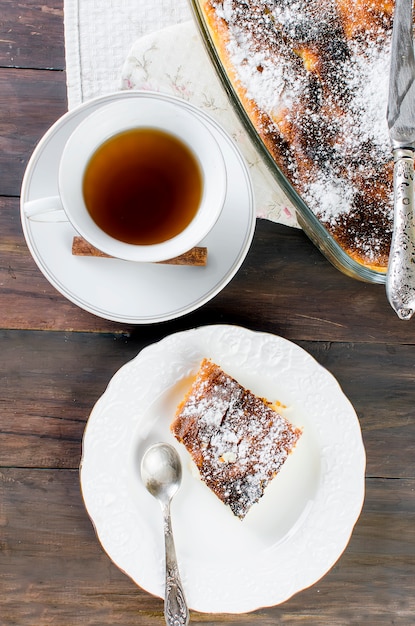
400, 279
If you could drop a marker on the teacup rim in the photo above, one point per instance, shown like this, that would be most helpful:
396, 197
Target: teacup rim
70, 165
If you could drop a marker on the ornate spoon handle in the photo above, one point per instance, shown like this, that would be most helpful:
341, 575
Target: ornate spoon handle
400, 280
176, 612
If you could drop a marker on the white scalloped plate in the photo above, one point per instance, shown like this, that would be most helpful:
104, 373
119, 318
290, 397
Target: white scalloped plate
289, 539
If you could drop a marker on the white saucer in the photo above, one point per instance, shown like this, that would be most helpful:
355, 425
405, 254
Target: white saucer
129, 292
290, 538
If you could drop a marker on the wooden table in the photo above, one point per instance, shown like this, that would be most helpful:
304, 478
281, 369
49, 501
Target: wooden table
56, 361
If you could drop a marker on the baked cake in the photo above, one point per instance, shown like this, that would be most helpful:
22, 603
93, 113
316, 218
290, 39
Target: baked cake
237, 440
313, 77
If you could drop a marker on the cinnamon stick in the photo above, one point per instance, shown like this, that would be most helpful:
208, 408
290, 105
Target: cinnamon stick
196, 256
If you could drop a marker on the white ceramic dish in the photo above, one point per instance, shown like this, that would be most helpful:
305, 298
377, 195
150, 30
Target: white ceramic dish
289, 539
123, 291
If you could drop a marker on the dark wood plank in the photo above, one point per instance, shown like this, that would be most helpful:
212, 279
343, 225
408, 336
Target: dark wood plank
43, 427
31, 34
53, 570
379, 380
28, 299
285, 286
30, 102
63, 374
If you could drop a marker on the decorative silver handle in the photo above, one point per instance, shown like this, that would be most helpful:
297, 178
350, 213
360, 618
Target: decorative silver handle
176, 612
400, 279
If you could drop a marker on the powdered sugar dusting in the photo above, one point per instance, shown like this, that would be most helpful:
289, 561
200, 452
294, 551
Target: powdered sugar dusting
319, 75
237, 441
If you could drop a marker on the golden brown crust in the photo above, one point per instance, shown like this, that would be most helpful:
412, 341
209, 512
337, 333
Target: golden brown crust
324, 50
361, 16
237, 440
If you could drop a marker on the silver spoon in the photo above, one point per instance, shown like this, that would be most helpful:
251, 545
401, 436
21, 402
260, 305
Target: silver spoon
161, 473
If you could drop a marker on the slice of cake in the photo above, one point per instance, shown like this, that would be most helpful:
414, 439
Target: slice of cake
236, 439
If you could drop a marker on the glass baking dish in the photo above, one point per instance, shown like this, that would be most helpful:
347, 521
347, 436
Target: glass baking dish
313, 228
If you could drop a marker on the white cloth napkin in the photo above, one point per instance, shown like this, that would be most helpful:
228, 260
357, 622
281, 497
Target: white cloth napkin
99, 34
152, 44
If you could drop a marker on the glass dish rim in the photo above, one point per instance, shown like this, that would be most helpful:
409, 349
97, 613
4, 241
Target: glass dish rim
310, 224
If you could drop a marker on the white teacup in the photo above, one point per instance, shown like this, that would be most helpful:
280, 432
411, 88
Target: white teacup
148, 115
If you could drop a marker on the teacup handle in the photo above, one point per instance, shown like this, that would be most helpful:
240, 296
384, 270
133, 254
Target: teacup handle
48, 209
